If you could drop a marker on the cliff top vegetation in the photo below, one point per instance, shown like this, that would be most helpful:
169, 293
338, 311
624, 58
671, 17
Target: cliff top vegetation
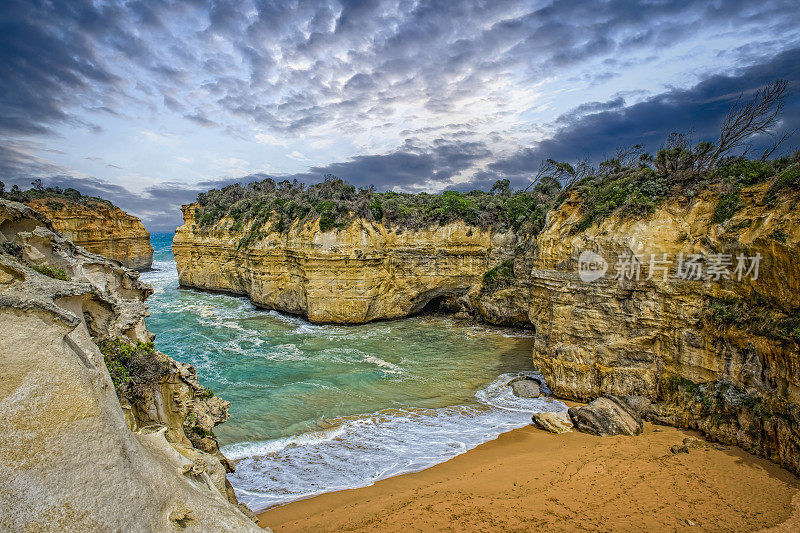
337, 203
55, 197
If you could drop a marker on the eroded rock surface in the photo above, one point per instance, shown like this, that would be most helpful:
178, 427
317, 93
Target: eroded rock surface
72, 459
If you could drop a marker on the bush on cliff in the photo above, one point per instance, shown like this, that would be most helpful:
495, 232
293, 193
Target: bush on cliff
632, 186
498, 277
135, 369
753, 316
53, 272
635, 188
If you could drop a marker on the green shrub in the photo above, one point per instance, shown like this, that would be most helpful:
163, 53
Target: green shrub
52, 195
755, 317
53, 272
206, 394
498, 277
135, 369
727, 206
744, 172
787, 178
631, 192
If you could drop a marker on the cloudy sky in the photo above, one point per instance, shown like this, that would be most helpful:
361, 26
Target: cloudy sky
149, 102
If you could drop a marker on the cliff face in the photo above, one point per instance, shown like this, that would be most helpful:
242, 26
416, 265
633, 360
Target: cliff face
73, 458
102, 229
362, 273
737, 379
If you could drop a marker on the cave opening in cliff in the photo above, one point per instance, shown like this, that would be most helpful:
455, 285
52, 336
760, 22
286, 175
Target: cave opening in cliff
433, 307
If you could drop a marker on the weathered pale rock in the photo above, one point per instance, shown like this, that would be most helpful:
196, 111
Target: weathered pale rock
525, 388
361, 273
604, 417
558, 422
69, 460
102, 229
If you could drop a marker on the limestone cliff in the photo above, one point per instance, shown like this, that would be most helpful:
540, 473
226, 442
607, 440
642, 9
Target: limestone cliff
101, 228
361, 273
72, 459
737, 379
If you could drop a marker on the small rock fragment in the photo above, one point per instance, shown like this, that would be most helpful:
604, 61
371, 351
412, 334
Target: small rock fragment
679, 448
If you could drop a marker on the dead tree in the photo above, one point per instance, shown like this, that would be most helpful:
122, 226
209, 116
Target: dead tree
745, 120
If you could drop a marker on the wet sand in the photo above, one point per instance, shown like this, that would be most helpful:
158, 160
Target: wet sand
529, 479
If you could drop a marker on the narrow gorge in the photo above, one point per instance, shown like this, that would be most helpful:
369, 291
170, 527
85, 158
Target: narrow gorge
714, 352
364, 272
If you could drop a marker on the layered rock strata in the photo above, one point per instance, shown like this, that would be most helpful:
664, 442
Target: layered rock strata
362, 273
102, 229
72, 458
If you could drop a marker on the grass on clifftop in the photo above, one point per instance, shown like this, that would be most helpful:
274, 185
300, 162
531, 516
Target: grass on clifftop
634, 186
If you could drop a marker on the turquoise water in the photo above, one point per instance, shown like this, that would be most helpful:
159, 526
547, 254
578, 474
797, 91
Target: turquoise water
320, 408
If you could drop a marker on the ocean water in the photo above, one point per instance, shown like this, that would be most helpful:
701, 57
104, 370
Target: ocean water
322, 408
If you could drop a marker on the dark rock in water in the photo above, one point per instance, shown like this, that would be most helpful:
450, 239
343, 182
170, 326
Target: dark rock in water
526, 388
606, 416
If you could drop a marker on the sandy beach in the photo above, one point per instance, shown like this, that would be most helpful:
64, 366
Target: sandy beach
529, 479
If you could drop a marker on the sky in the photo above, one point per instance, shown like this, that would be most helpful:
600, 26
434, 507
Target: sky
147, 103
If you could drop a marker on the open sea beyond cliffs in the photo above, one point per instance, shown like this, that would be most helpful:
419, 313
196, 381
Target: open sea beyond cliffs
322, 408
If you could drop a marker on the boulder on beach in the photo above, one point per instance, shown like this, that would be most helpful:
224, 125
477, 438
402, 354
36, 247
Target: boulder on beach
638, 406
525, 388
606, 416
559, 422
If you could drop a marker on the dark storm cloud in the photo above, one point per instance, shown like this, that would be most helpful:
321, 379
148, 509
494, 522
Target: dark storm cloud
698, 111
409, 166
320, 61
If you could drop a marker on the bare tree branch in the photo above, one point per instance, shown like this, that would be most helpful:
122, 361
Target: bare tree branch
769, 151
743, 121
